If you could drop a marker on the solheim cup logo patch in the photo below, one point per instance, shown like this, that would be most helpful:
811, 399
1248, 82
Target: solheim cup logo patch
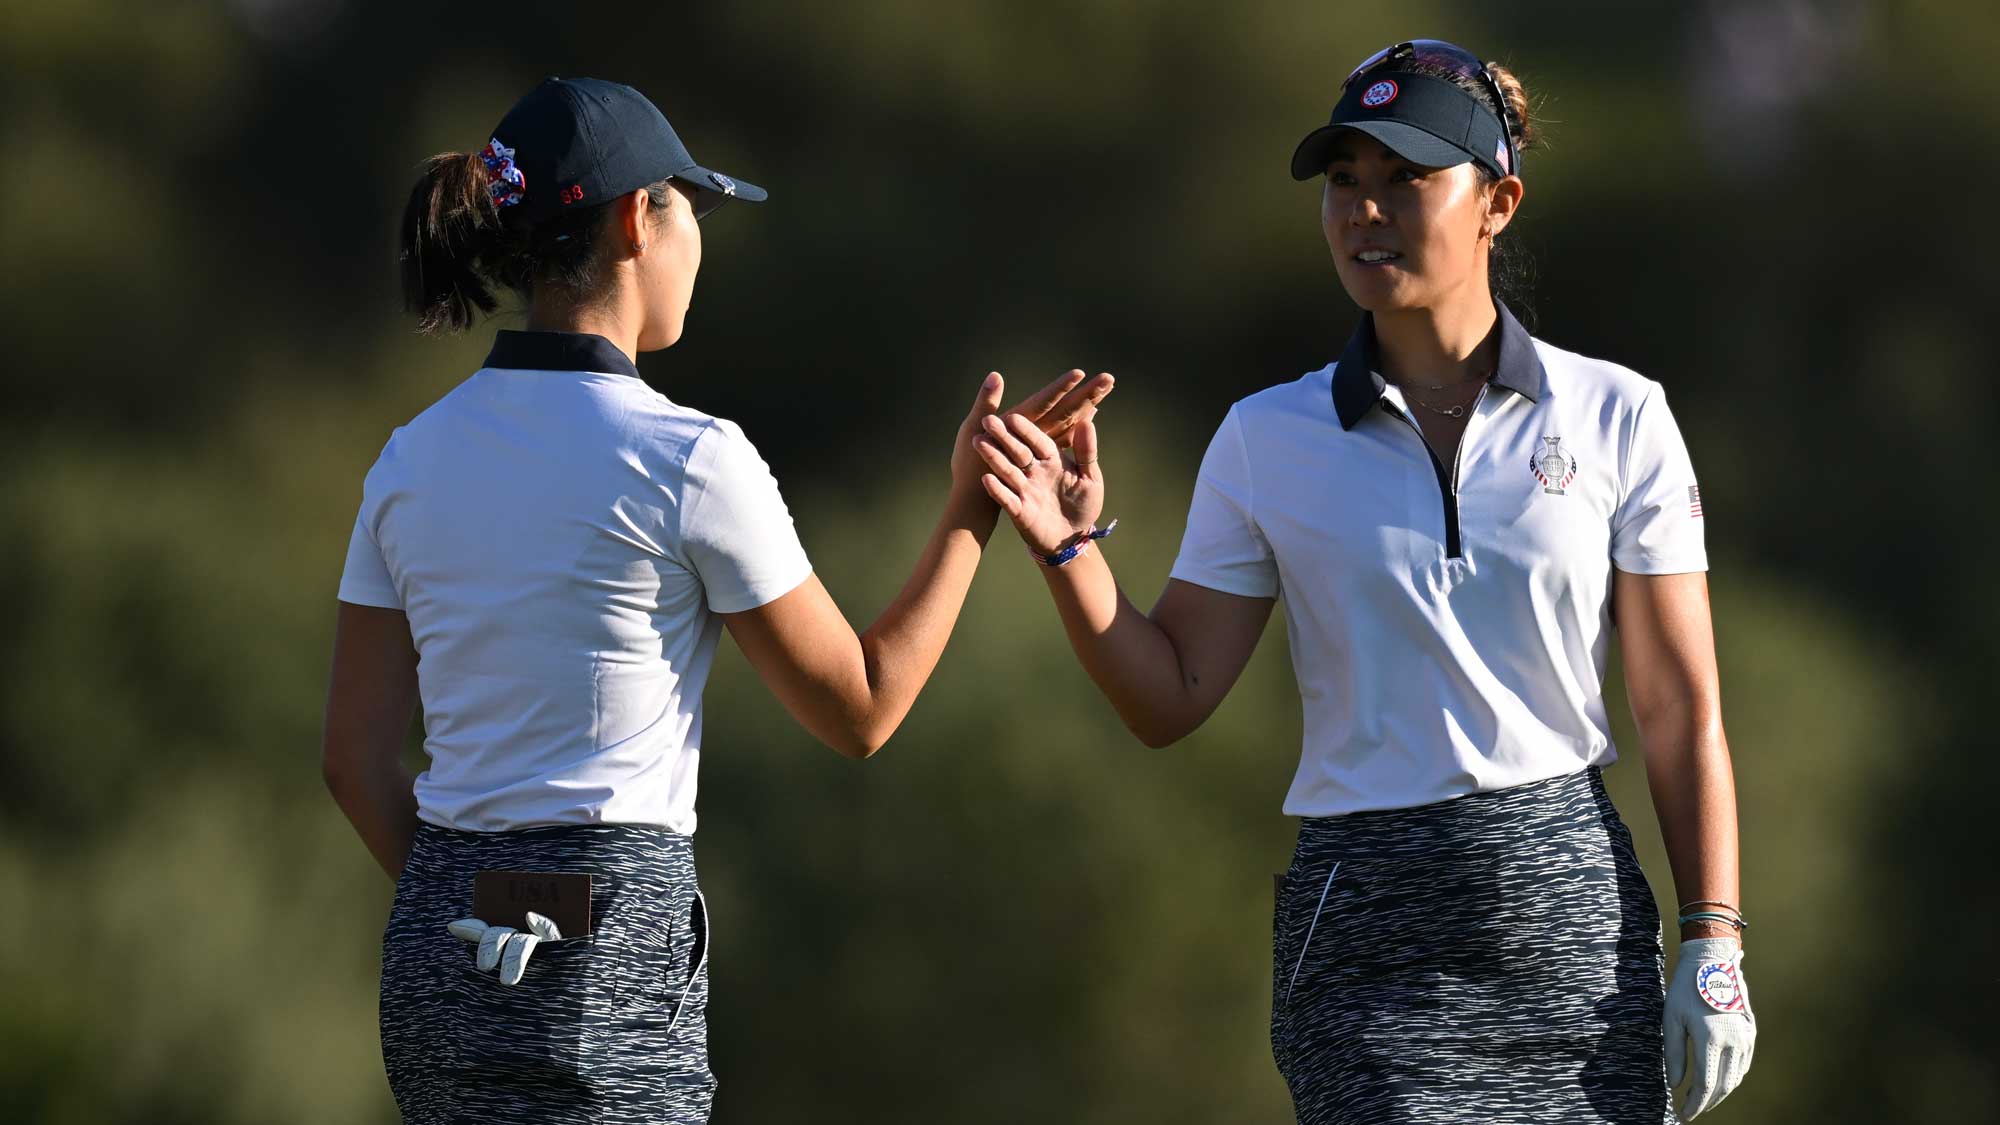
1380, 94
1553, 466
504, 181
1720, 986
727, 185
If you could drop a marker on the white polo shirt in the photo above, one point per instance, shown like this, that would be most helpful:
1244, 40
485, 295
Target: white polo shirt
561, 536
1448, 624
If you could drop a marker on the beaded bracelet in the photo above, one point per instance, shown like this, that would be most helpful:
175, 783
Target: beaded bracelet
1075, 547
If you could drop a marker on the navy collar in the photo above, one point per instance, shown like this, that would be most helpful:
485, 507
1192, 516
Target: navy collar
559, 351
1358, 382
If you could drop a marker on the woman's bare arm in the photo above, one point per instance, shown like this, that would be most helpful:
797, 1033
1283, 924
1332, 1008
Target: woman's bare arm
1164, 672
371, 697
851, 690
1668, 644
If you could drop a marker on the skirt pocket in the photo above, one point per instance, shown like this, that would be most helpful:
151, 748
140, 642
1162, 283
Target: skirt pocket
1303, 896
655, 1036
673, 950
692, 997
1280, 957
1353, 930
533, 1029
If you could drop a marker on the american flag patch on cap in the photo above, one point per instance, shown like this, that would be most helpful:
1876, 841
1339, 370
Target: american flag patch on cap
1694, 500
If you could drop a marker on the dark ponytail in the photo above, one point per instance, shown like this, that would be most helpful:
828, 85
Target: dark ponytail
457, 247
449, 225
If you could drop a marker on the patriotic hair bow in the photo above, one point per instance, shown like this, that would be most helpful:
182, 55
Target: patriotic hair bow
504, 179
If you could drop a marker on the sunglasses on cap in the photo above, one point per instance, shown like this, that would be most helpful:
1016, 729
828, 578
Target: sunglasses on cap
1452, 58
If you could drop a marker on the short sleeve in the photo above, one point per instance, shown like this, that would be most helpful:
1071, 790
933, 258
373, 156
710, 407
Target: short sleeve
1657, 528
736, 532
365, 580
1223, 549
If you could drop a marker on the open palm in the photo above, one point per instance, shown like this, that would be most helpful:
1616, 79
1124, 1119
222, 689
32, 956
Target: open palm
1050, 497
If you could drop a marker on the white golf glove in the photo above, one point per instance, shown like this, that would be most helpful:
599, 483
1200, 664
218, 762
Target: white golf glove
1709, 1003
505, 947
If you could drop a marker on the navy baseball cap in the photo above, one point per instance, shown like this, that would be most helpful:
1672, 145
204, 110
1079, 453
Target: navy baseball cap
1426, 120
572, 143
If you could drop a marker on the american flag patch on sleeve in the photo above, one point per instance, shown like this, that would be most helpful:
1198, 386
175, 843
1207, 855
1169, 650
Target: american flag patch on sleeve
1694, 501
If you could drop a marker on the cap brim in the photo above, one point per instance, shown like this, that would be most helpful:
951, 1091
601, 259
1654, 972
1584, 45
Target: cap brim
710, 192
1407, 141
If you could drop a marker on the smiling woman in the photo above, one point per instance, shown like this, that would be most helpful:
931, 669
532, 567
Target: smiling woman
1451, 510
1495, 88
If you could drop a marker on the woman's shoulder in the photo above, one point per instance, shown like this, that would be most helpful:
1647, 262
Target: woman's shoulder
680, 432
1573, 373
1308, 395
717, 448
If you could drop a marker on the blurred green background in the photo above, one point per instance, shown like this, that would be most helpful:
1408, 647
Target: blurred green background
1780, 208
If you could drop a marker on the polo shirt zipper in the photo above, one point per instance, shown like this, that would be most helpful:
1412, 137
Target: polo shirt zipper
1454, 548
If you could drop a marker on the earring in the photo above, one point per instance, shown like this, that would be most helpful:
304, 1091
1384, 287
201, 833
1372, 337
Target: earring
638, 248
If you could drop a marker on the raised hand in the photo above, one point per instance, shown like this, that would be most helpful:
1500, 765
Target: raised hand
851, 689
1055, 410
965, 463
1050, 497
1070, 399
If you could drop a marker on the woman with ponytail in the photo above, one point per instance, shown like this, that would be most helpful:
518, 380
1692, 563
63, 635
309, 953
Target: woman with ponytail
543, 561
1451, 510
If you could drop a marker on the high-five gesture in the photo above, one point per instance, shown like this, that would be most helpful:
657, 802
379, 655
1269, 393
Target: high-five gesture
853, 690
1056, 413
1066, 402
1056, 410
1051, 494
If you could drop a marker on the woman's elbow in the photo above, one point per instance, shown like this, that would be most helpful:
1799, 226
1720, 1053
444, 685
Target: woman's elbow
346, 760
1157, 735
856, 741
336, 770
845, 727
858, 749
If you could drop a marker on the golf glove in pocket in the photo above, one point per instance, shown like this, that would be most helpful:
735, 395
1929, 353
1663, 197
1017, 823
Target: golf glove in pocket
503, 947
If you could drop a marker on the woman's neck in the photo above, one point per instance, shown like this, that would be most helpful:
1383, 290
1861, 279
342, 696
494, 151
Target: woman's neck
599, 320
1452, 343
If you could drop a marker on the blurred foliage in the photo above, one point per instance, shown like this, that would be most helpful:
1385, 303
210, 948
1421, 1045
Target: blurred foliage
1775, 206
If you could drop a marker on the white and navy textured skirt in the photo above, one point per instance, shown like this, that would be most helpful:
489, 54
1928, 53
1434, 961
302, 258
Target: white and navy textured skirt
1494, 958
606, 1028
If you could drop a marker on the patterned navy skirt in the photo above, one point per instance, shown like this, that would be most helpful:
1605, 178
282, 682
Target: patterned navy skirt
604, 1028
1494, 958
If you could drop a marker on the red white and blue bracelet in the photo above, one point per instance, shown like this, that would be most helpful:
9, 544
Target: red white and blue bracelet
1074, 547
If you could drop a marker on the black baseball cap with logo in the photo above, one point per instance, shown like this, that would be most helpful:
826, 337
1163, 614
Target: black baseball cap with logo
571, 143
1426, 120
